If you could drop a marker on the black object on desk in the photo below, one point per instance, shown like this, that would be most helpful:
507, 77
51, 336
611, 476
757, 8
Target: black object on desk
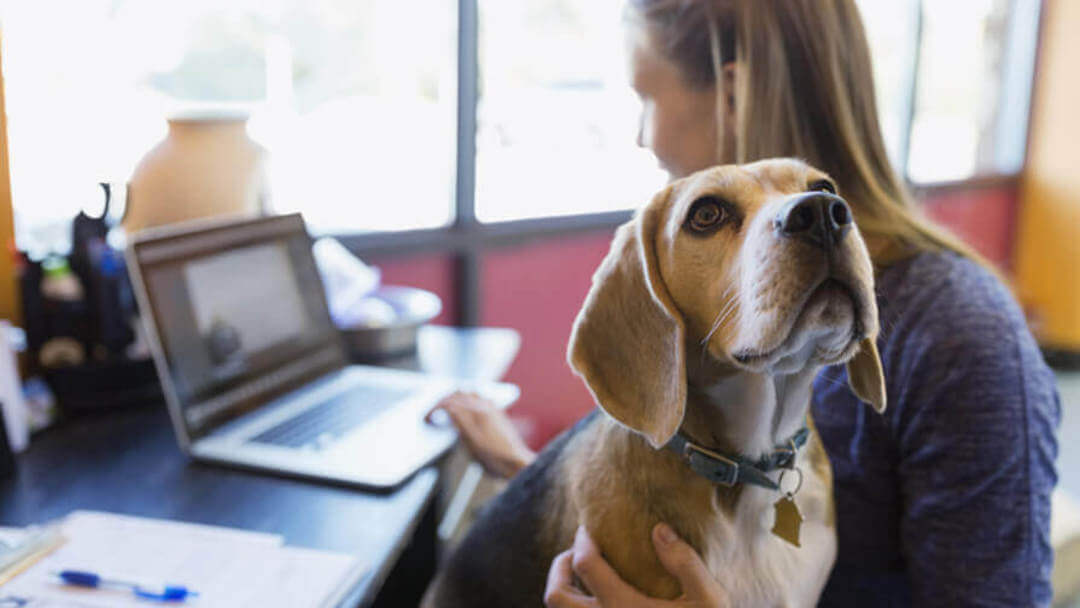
127, 461
78, 342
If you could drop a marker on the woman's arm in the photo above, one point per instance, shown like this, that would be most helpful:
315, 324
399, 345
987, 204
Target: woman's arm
488, 434
976, 439
607, 589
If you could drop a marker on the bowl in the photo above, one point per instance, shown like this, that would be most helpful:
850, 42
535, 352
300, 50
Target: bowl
394, 334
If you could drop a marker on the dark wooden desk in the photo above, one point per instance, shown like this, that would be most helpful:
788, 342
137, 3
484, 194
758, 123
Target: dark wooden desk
128, 462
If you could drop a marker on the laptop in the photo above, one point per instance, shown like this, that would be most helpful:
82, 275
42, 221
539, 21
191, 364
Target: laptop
254, 371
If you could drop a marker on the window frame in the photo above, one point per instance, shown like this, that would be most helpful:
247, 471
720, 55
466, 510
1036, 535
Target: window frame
466, 239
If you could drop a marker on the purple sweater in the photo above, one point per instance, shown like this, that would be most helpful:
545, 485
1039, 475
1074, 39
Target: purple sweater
944, 500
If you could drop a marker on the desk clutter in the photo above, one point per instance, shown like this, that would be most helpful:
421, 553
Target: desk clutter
79, 316
92, 560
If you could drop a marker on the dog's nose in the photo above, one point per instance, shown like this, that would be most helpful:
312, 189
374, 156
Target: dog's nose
819, 218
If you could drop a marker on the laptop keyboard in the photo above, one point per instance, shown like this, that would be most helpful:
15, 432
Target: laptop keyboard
320, 425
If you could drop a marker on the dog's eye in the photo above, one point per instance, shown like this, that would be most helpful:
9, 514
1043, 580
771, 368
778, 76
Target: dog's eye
707, 212
822, 185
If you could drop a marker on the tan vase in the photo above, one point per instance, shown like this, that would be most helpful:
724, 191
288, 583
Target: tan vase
206, 166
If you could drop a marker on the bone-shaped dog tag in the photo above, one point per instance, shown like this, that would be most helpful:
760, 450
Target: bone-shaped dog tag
788, 520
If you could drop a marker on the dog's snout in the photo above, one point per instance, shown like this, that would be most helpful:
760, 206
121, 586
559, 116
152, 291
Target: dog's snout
819, 218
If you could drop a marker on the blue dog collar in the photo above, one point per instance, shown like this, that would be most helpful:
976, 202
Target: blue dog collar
732, 470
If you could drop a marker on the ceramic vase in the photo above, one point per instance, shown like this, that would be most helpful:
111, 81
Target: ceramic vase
206, 166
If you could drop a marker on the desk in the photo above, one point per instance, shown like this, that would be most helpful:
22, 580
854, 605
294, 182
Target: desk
128, 462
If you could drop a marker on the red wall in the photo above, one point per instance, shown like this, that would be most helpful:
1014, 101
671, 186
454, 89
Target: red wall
984, 217
538, 287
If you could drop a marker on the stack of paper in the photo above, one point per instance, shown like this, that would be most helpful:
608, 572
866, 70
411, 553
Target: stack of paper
226, 567
20, 547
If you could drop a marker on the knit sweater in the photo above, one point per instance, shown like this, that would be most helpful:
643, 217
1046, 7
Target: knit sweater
945, 499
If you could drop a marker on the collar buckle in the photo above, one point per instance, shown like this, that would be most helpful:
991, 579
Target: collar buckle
730, 478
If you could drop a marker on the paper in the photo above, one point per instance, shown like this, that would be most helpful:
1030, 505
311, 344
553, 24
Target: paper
20, 547
226, 567
17, 602
91, 525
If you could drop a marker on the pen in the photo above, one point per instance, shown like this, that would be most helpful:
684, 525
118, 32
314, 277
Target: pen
165, 593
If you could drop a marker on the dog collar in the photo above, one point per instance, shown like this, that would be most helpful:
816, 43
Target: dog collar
733, 470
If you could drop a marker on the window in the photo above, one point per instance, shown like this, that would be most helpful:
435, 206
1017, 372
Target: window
972, 99
892, 33
356, 101
556, 117
367, 139
359, 120
961, 112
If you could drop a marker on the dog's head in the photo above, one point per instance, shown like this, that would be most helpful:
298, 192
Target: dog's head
760, 265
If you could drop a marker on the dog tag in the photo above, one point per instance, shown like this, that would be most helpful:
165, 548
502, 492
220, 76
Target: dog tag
788, 520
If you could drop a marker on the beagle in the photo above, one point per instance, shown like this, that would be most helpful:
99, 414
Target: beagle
705, 325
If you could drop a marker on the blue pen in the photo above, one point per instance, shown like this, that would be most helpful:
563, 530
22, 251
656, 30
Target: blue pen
164, 593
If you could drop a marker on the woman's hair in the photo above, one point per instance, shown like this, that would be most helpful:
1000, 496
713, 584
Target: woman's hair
805, 89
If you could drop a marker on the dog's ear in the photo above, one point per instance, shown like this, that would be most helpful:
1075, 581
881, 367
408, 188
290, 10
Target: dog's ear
866, 377
627, 341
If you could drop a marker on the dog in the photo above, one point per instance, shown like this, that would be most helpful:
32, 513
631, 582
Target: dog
699, 339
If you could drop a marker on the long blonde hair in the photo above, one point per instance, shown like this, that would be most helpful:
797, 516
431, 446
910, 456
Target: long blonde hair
804, 88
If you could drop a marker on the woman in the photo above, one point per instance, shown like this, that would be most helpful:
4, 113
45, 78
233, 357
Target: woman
945, 500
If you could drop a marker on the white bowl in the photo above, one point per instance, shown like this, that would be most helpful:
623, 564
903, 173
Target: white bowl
393, 335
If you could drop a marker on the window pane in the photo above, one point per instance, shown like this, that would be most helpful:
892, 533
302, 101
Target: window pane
359, 118
556, 119
975, 70
367, 140
891, 32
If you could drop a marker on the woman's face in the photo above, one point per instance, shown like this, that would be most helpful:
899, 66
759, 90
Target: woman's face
678, 122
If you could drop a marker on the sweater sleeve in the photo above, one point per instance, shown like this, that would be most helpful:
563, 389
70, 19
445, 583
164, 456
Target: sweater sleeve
975, 428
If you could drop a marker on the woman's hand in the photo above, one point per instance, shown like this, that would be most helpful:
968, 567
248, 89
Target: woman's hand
488, 433
700, 589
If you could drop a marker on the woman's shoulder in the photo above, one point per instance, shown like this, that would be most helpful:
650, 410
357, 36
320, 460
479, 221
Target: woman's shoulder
942, 294
942, 275
949, 324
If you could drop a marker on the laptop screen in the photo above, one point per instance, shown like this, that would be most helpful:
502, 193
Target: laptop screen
240, 315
